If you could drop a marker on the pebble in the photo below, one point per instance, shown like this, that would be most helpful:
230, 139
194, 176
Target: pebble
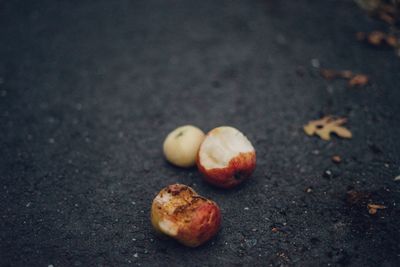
246, 208
397, 178
315, 152
332, 172
328, 174
315, 63
136, 255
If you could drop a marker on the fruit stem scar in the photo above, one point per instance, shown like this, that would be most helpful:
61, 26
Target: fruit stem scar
179, 134
238, 175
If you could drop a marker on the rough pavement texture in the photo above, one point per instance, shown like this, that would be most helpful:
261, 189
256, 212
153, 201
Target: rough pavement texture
89, 89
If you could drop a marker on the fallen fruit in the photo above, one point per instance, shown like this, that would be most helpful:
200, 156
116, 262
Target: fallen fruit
325, 126
182, 144
226, 157
179, 212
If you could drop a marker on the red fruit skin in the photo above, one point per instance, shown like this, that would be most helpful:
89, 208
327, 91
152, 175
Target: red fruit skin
198, 219
204, 225
238, 170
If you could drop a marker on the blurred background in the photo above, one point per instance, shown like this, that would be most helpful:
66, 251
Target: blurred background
89, 90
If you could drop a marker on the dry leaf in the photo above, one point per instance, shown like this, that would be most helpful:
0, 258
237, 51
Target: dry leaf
327, 125
275, 229
346, 74
391, 40
376, 38
389, 19
358, 80
330, 74
373, 208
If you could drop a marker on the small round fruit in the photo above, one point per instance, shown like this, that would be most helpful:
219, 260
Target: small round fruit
182, 144
179, 212
226, 157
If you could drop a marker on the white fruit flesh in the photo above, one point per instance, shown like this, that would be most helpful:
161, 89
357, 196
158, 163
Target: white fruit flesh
168, 227
222, 145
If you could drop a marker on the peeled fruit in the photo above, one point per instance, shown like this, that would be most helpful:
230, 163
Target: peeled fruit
226, 157
179, 212
182, 144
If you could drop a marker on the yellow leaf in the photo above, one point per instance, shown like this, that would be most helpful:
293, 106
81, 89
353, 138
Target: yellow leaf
325, 126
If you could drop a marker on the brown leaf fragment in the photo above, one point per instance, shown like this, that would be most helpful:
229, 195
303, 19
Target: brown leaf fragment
275, 229
328, 74
346, 74
386, 17
358, 80
326, 126
391, 40
376, 38
373, 208
337, 159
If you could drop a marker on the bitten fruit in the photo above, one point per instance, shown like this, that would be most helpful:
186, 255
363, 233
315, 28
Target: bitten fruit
179, 212
226, 157
182, 144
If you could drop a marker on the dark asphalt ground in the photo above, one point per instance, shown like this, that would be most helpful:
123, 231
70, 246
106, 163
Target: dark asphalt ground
89, 90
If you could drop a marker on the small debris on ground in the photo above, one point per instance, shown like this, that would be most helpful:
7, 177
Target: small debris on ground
397, 178
308, 190
358, 80
354, 79
331, 74
379, 39
332, 172
327, 125
373, 208
336, 159
387, 11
